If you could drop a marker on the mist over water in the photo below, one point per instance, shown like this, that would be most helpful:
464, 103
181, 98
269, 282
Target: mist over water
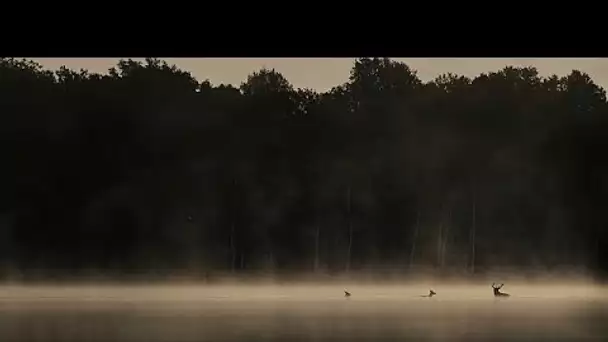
459, 312
147, 175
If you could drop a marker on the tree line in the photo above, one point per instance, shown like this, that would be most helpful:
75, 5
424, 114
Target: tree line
147, 168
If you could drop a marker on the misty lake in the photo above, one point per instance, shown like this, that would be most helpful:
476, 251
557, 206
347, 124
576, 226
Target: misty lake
302, 313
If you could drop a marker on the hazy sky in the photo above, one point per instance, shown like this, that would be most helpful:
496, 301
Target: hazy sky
324, 73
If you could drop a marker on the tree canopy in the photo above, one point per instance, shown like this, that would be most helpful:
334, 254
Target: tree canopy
147, 168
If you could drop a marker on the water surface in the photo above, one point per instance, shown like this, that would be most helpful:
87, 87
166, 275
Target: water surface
302, 313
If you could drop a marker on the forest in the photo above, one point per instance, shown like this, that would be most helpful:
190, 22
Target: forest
147, 169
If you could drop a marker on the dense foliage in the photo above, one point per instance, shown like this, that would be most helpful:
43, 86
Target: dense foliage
147, 168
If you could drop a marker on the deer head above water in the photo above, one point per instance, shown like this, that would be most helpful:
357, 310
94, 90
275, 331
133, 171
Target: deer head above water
497, 292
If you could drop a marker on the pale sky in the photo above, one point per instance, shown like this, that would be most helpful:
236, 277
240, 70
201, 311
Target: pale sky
323, 73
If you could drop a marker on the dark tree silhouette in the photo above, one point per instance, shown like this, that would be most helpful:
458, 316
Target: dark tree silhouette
147, 170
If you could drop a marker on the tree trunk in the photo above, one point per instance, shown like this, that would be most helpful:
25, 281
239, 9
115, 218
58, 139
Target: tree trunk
317, 233
439, 244
271, 261
350, 232
472, 234
445, 237
232, 247
232, 229
440, 239
413, 250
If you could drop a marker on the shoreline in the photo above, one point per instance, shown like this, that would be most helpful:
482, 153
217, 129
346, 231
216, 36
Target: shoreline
382, 277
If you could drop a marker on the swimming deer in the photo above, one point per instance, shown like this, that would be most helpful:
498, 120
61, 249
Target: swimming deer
431, 294
497, 292
346, 293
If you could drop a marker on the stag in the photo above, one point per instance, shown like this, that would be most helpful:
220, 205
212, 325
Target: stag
497, 292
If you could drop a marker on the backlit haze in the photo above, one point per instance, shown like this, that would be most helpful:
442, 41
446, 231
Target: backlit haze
231, 215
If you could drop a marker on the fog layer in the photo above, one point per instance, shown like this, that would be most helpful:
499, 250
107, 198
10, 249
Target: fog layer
299, 312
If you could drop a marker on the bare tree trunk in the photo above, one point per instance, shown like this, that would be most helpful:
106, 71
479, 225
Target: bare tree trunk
413, 250
317, 233
439, 243
445, 237
440, 239
472, 234
232, 247
350, 232
232, 230
271, 261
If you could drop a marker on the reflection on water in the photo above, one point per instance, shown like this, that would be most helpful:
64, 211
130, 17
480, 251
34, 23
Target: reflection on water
292, 313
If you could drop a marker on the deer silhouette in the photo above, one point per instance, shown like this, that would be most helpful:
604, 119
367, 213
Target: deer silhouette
346, 293
497, 292
431, 294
